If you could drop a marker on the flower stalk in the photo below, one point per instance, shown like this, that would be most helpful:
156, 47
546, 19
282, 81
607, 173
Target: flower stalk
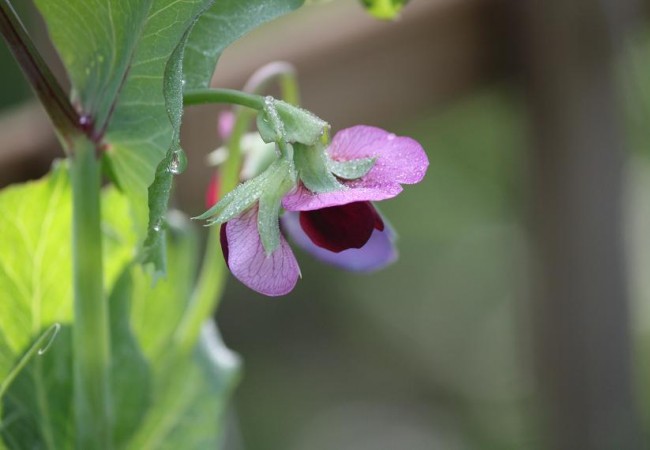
230, 96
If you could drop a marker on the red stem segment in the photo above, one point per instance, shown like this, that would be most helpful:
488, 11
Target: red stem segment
57, 105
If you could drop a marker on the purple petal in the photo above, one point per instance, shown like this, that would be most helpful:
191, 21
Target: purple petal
302, 199
378, 252
225, 124
399, 160
272, 275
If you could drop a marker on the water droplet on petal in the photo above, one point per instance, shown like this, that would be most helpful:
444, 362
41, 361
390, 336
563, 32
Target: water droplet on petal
178, 164
391, 136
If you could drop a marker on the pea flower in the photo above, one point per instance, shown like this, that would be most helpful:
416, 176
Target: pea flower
329, 210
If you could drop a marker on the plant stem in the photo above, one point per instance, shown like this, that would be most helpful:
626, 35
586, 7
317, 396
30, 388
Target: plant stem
91, 341
210, 284
63, 115
232, 96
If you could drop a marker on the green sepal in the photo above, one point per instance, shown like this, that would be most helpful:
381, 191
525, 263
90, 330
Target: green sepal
384, 9
236, 201
351, 170
313, 170
268, 224
282, 121
246, 194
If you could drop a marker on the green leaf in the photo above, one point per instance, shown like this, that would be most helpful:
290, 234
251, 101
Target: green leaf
384, 9
125, 61
225, 22
163, 397
115, 52
190, 397
130, 372
35, 257
35, 292
313, 170
351, 170
190, 390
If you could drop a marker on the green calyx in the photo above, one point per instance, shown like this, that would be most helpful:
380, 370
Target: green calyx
351, 170
280, 121
267, 188
313, 170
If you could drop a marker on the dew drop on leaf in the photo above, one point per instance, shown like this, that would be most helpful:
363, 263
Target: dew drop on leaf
178, 164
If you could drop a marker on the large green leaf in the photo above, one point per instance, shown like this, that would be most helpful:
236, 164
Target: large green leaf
163, 396
35, 292
35, 258
225, 22
115, 52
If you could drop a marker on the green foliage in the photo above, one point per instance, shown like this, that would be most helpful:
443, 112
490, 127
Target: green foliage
125, 61
115, 53
384, 9
157, 386
225, 22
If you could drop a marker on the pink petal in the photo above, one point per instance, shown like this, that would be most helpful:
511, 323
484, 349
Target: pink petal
302, 199
225, 123
376, 254
399, 160
272, 275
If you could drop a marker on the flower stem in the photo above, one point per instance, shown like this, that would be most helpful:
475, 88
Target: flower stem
91, 340
63, 115
210, 284
232, 96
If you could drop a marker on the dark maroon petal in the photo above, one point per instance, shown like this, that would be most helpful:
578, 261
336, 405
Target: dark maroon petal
379, 222
376, 254
339, 228
223, 237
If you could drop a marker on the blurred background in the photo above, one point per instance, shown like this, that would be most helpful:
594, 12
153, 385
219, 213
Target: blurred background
452, 347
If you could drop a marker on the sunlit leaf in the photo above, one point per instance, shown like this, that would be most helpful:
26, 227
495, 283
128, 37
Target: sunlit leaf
384, 9
35, 292
162, 395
